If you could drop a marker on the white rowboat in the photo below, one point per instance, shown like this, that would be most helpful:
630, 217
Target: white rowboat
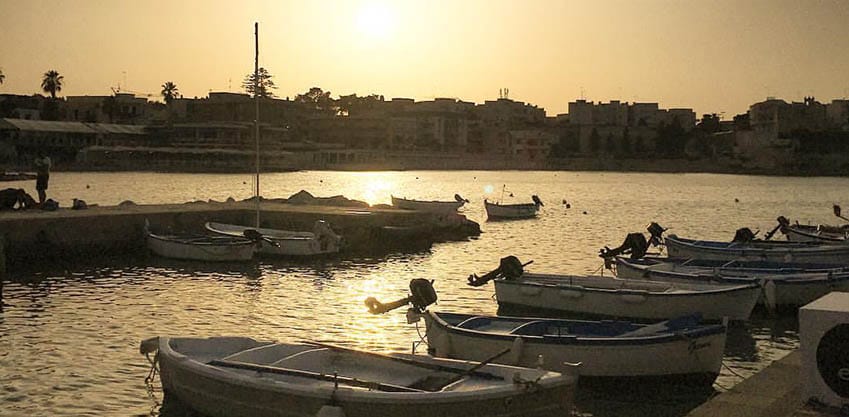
621, 298
322, 240
512, 211
429, 206
680, 350
239, 376
765, 251
785, 285
200, 247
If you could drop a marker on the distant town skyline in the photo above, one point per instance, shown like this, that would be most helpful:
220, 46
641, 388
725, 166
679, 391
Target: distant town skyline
712, 56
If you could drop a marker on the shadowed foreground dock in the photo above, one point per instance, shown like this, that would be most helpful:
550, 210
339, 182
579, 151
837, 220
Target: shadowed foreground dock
773, 392
36, 235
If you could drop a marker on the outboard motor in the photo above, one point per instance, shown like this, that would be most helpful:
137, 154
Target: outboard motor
656, 233
458, 198
422, 294
634, 244
510, 267
743, 235
783, 222
537, 201
327, 238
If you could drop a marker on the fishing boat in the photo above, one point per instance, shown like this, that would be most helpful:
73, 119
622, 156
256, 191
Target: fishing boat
680, 350
599, 296
785, 284
322, 240
496, 211
430, 206
757, 250
200, 247
240, 376
815, 233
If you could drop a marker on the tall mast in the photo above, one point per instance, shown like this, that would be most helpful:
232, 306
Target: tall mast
256, 119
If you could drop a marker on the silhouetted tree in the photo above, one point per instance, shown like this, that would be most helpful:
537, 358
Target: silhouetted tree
709, 123
346, 104
317, 99
264, 86
169, 91
2, 77
52, 82
671, 138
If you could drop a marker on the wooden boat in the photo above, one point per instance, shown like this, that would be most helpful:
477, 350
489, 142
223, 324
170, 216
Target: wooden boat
622, 298
200, 247
429, 206
512, 211
785, 285
680, 350
239, 376
816, 233
322, 240
757, 250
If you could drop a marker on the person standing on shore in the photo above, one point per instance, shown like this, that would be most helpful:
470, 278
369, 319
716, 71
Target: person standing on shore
42, 170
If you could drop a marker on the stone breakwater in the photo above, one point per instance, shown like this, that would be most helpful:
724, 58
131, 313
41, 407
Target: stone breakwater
66, 235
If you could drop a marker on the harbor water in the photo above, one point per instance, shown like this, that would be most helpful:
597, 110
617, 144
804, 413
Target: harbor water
69, 335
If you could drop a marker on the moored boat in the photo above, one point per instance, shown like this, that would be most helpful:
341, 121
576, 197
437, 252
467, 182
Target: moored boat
429, 206
239, 376
757, 250
681, 350
785, 285
322, 240
600, 296
200, 247
497, 211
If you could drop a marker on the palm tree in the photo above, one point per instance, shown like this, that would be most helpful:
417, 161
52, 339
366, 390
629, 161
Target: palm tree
2, 77
52, 82
169, 91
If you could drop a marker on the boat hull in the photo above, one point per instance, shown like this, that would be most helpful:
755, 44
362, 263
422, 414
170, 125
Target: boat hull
766, 252
608, 297
510, 211
218, 393
805, 233
782, 288
287, 243
695, 360
428, 206
224, 252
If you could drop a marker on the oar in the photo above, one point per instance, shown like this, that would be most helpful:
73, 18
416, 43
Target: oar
313, 375
475, 368
426, 365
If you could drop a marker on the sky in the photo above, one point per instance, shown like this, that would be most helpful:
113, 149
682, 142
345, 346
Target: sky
715, 56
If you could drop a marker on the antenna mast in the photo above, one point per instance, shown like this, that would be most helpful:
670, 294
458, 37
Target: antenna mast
256, 120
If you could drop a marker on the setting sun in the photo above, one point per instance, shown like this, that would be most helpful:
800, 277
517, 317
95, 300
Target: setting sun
376, 20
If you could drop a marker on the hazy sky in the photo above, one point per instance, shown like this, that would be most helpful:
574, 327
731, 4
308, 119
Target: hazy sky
713, 56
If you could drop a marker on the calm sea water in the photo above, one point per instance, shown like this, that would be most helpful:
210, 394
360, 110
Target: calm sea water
69, 338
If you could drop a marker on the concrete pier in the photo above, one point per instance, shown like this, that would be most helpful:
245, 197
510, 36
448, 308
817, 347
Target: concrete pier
772, 392
36, 235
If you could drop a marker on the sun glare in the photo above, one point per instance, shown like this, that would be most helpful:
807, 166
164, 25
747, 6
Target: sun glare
376, 21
